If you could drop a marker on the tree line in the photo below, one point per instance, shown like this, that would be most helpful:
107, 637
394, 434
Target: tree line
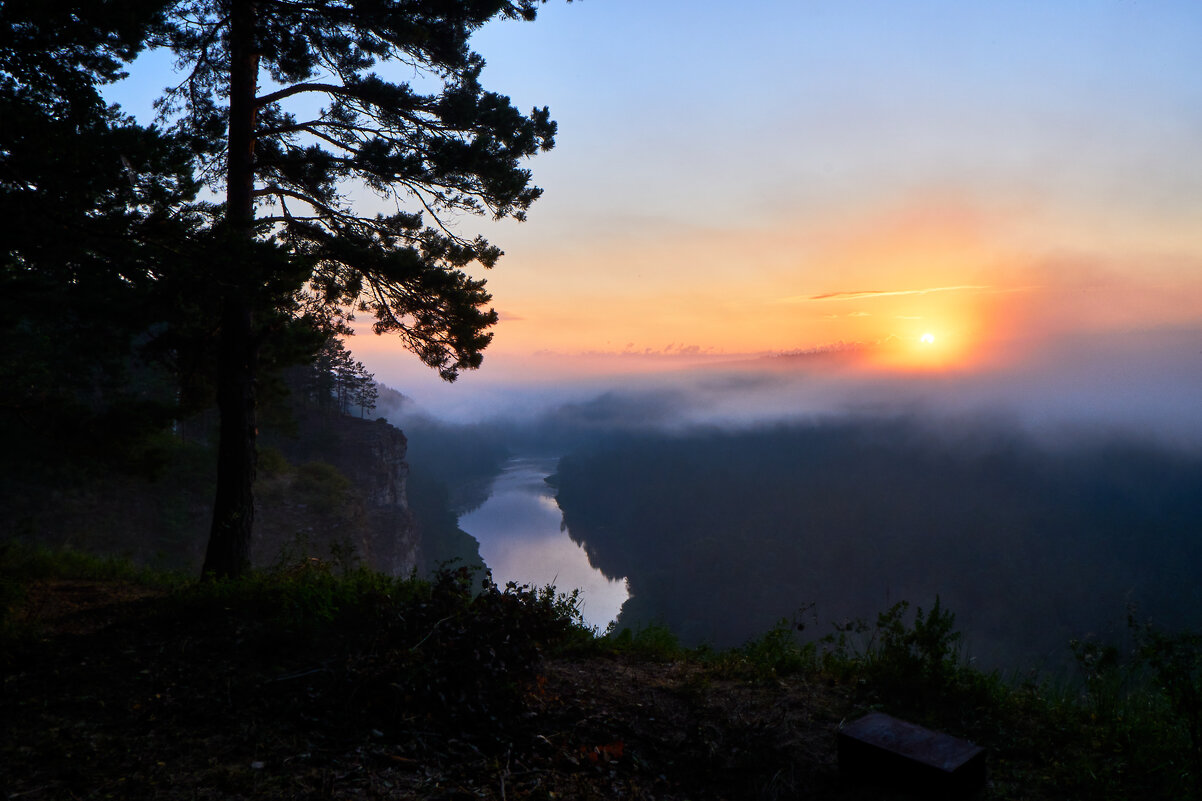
722, 533
335, 382
149, 271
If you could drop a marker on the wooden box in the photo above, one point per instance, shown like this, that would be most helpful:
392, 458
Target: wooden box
883, 750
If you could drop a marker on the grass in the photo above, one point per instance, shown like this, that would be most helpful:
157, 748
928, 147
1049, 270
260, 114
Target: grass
1128, 728
20, 562
455, 653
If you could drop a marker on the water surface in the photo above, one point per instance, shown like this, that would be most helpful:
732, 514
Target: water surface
522, 539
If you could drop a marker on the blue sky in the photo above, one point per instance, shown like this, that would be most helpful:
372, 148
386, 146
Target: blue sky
776, 101
720, 166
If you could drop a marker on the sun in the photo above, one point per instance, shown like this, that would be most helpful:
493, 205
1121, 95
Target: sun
931, 346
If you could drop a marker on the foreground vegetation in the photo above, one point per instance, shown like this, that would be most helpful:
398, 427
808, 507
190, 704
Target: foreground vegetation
318, 680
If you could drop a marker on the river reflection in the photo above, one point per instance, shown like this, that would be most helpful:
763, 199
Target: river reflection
521, 538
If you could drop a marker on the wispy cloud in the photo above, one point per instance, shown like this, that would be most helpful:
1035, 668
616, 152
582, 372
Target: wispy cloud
885, 293
672, 350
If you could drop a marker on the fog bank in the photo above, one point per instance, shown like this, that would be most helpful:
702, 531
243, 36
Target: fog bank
1144, 384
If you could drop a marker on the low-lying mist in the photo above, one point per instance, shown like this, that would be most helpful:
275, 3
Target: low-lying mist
1144, 384
1040, 499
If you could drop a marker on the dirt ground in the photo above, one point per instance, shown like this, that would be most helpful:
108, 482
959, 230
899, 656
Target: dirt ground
112, 699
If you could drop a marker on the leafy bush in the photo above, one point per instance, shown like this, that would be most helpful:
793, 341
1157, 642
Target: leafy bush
777, 652
913, 666
323, 485
455, 649
655, 642
271, 462
308, 599
443, 648
20, 562
1175, 661
774, 654
1128, 730
1107, 675
925, 654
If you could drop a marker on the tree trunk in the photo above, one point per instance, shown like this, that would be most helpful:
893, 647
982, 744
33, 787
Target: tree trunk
228, 553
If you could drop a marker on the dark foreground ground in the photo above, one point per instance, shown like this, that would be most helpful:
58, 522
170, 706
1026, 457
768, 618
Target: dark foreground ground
106, 696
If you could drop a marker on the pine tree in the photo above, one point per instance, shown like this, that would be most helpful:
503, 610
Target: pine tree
365, 394
96, 214
286, 229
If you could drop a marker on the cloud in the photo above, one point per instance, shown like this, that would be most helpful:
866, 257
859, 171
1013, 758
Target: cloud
879, 293
671, 350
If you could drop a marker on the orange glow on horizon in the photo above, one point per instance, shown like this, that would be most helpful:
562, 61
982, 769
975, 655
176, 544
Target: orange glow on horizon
927, 352
931, 284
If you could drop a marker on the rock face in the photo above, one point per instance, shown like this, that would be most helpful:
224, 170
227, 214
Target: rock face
372, 455
346, 493
332, 488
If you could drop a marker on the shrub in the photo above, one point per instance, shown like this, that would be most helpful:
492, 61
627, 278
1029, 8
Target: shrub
1175, 661
457, 649
774, 654
924, 654
272, 462
914, 667
1106, 674
323, 486
656, 642
20, 562
445, 648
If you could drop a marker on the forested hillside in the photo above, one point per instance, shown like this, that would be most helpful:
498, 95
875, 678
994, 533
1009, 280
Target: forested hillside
723, 533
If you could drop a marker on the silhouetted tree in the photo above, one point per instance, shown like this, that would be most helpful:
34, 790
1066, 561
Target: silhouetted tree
441, 147
352, 383
334, 381
365, 395
95, 211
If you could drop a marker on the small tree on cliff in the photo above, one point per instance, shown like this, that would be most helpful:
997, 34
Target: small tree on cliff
284, 156
334, 381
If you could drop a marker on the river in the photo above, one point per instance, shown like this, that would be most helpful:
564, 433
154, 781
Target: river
522, 539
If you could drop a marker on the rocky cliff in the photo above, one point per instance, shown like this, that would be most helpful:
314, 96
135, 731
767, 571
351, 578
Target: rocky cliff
330, 487
343, 493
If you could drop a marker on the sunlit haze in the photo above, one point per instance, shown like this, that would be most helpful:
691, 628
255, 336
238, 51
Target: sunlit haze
996, 202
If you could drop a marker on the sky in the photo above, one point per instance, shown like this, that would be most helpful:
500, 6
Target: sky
997, 194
